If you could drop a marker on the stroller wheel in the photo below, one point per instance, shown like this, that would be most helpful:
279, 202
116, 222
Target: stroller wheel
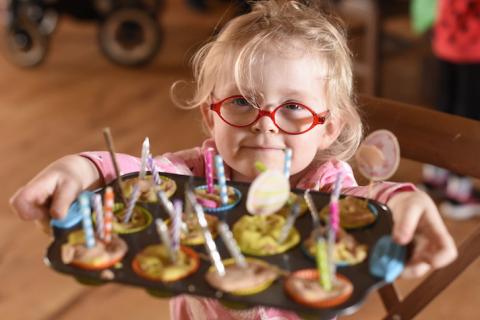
26, 45
130, 37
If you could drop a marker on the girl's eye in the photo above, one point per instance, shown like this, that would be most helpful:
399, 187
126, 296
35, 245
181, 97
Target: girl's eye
242, 102
293, 107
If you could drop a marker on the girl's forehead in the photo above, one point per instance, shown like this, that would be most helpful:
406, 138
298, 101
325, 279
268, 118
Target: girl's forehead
291, 71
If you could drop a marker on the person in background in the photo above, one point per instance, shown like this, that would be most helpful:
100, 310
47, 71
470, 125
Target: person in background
456, 47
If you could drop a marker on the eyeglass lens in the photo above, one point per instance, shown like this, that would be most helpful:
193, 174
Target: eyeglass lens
289, 117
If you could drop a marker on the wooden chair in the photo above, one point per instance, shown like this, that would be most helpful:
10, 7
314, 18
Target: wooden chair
440, 139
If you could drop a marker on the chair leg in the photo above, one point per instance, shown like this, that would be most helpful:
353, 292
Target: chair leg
389, 296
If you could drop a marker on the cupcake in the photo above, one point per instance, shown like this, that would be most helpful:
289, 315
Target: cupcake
193, 236
354, 213
101, 256
303, 287
292, 199
148, 191
254, 278
139, 220
347, 250
154, 263
258, 235
211, 201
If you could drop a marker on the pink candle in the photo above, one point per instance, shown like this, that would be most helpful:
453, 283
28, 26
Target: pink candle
209, 169
334, 207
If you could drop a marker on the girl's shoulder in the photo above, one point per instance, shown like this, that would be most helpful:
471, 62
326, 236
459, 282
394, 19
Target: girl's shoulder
188, 161
322, 175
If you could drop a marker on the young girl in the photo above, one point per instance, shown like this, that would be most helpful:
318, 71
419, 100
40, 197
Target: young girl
278, 77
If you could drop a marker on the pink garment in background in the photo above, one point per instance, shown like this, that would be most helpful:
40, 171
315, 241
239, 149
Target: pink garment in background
191, 162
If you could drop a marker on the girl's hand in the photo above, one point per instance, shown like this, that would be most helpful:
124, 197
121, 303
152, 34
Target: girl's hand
53, 190
416, 217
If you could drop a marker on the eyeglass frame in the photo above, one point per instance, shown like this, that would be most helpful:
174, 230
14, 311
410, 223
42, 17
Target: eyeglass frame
318, 118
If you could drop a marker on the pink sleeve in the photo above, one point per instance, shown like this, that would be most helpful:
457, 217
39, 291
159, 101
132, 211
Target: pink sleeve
381, 191
103, 162
170, 163
322, 178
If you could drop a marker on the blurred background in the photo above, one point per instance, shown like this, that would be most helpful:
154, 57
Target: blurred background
63, 79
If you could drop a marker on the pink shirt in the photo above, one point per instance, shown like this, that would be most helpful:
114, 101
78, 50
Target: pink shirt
320, 177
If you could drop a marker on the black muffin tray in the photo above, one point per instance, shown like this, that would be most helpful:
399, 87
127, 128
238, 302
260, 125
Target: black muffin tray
195, 284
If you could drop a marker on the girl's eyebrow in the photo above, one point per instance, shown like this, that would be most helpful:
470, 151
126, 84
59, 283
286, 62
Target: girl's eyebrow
290, 94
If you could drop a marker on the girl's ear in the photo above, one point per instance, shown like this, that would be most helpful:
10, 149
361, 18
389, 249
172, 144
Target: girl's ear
333, 128
207, 116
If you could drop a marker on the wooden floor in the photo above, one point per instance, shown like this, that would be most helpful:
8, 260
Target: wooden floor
61, 107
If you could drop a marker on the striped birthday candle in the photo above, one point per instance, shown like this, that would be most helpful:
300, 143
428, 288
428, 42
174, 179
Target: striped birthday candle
334, 206
87, 220
222, 182
288, 162
131, 204
209, 169
97, 205
177, 224
108, 199
153, 168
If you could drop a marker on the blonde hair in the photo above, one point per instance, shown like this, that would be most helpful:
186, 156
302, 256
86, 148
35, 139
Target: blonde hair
279, 25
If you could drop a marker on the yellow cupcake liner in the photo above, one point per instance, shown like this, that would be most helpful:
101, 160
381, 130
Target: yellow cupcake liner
292, 240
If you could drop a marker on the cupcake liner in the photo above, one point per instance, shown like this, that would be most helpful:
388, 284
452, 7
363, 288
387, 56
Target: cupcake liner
246, 292
238, 196
117, 207
312, 274
189, 252
78, 238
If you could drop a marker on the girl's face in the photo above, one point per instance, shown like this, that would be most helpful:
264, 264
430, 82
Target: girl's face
279, 80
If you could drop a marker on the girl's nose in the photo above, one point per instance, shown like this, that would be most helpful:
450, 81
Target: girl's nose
264, 125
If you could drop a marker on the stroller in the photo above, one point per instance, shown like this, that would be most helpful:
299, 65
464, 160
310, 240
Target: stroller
128, 35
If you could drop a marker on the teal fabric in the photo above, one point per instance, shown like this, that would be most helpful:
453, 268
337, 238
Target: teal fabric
423, 13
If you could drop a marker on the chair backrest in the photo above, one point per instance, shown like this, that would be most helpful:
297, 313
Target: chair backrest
440, 139
426, 135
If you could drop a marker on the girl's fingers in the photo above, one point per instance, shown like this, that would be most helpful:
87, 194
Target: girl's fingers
444, 249
407, 217
416, 270
65, 194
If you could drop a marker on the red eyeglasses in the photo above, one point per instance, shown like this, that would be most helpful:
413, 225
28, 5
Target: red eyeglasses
289, 117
